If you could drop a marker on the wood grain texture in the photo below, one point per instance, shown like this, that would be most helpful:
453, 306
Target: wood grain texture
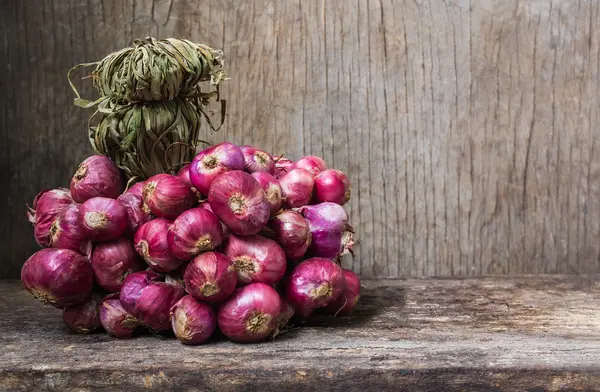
500, 334
469, 129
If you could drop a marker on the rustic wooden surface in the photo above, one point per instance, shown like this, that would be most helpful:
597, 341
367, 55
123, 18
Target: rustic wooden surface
469, 128
486, 334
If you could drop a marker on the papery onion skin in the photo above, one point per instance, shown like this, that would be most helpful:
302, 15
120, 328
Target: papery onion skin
250, 314
214, 161
257, 161
59, 277
195, 231
97, 176
312, 163
239, 202
282, 166
103, 219
332, 185
167, 196
346, 302
149, 299
332, 236
297, 186
84, 317
210, 277
151, 242
112, 261
272, 189
48, 204
256, 259
66, 231
135, 189
193, 322
206, 205
291, 231
115, 320
286, 313
314, 283
184, 174
136, 213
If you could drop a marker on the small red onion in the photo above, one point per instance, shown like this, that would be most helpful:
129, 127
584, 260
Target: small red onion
103, 219
212, 162
137, 215
257, 161
135, 189
195, 231
115, 320
48, 204
272, 189
84, 317
148, 298
239, 202
331, 234
314, 283
206, 206
297, 186
59, 277
282, 166
151, 243
192, 321
332, 185
251, 314
345, 303
64, 232
256, 259
184, 174
167, 196
97, 176
291, 231
210, 277
113, 261
311, 163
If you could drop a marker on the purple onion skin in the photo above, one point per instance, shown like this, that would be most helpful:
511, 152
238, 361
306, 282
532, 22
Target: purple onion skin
282, 166
97, 176
151, 242
286, 313
257, 161
297, 187
346, 302
195, 231
48, 204
272, 189
314, 283
239, 202
136, 214
210, 277
250, 314
103, 219
193, 322
214, 161
112, 261
135, 189
115, 320
59, 277
256, 259
167, 196
64, 232
291, 231
149, 299
85, 317
332, 236
312, 163
332, 185
184, 174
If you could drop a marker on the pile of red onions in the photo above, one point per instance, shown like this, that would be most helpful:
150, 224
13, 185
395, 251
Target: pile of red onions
239, 240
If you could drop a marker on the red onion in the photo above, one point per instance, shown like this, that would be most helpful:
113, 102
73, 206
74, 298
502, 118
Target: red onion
115, 320
103, 219
192, 321
331, 234
212, 162
256, 259
297, 186
195, 231
206, 206
59, 277
97, 176
332, 185
257, 161
151, 243
113, 261
210, 277
64, 232
135, 189
149, 299
286, 313
48, 204
343, 305
311, 163
184, 174
282, 166
167, 196
313, 284
136, 213
239, 202
291, 231
84, 317
251, 314
272, 189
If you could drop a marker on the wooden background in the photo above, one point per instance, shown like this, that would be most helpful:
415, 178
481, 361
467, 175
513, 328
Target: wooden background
469, 129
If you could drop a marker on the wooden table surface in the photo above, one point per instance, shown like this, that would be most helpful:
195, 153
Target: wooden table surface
497, 334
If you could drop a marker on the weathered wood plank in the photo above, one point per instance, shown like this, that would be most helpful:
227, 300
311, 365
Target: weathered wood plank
468, 129
497, 334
